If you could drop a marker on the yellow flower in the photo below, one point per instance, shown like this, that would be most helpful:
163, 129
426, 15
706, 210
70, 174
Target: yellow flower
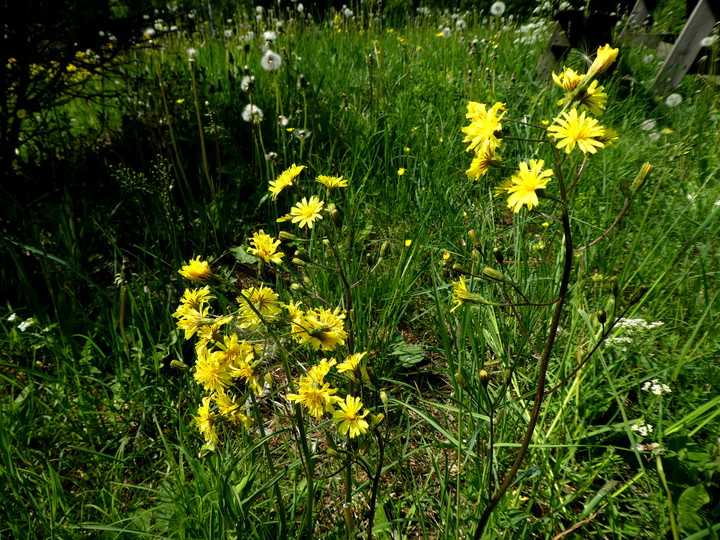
212, 371
180, 101
332, 182
318, 398
592, 99
408, 242
244, 368
205, 421
285, 179
191, 320
228, 406
568, 80
196, 270
605, 56
265, 247
481, 163
305, 212
401, 171
351, 366
350, 420
461, 295
484, 125
211, 332
265, 301
194, 298
525, 183
319, 371
321, 328
572, 129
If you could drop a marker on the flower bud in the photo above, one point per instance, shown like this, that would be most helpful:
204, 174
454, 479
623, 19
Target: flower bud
375, 419
460, 379
601, 316
306, 281
484, 378
638, 294
383, 248
460, 269
474, 238
295, 287
498, 254
641, 177
493, 274
298, 262
177, 364
284, 235
507, 375
384, 397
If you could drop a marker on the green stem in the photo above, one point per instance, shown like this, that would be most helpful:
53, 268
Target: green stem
542, 370
670, 507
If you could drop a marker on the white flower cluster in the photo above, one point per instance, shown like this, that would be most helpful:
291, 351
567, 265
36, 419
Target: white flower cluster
656, 387
533, 32
637, 326
24, 325
642, 429
618, 342
631, 327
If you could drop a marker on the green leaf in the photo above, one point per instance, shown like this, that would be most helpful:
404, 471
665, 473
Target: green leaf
689, 505
241, 255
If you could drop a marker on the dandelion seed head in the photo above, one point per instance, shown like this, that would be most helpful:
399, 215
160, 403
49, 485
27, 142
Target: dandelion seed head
270, 61
673, 100
648, 125
252, 113
497, 9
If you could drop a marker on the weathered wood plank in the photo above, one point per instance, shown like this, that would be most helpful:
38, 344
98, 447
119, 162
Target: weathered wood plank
686, 48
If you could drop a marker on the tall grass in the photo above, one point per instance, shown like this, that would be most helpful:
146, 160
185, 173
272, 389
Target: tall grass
98, 434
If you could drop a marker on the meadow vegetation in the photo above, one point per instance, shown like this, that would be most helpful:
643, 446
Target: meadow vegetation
295, 275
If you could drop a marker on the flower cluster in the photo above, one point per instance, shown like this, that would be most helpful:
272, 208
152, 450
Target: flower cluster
234, 350
571, 128
654, 386
318, 397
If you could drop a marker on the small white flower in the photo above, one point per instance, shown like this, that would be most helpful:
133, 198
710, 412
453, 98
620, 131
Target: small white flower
656, 387
648, 125
269, 36
654, 136
302, 133
283, 121
708, 41
259, 10
717, 203
227, 33
26, 324
300, 8
270, 61
673, 100
192, 54
497, 9
347, 12
460, 25
446, 32
642, 429
648, 58
149, 32
14, 317
252, 113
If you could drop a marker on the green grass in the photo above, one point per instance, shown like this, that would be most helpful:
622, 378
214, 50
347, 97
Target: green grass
97, 436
